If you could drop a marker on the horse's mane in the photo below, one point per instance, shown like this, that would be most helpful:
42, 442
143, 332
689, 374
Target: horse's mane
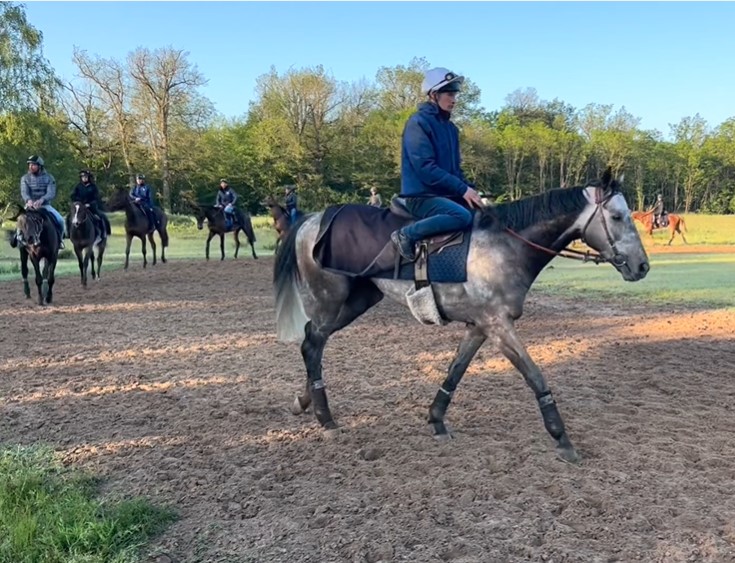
518, 215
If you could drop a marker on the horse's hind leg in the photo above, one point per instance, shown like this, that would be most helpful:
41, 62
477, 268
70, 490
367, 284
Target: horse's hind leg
513, 349
362, 295
473, 339
237, 243
91, 261
222, 245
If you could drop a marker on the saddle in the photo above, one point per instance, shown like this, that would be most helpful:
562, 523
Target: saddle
354, 240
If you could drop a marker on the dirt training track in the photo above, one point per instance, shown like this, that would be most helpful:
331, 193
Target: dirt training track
169, 383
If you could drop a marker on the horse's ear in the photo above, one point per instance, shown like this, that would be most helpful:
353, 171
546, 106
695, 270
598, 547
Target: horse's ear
622, 177
607, 178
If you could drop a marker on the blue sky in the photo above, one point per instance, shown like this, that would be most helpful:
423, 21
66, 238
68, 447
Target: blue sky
661, 60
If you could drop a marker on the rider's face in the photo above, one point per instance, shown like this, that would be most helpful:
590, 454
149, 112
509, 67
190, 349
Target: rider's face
33, 168
446, 100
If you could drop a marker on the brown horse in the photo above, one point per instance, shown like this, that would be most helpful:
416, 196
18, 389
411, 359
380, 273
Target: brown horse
137, 225
281, 220
216, 223
676, 223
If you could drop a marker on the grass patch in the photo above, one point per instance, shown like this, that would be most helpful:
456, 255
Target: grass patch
694, 279
700, 229
49, 513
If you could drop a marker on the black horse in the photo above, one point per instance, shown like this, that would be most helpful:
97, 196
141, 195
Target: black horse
85, 235
217, 224
37, 239
137, 225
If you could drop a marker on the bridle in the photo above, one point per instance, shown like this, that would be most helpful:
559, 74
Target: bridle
618, 260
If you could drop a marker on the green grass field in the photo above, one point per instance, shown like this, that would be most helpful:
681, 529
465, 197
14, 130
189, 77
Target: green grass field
694, 279
700, 229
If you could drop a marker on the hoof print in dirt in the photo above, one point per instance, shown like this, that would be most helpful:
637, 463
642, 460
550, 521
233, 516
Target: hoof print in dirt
370, 454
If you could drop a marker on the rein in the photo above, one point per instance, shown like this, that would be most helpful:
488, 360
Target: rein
618, 259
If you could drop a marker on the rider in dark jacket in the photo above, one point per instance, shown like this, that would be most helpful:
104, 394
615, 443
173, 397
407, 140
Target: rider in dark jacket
226, 198
143, 195
292, 203
432, 180
86, 192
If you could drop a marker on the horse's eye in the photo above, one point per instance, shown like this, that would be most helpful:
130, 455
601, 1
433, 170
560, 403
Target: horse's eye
617, 217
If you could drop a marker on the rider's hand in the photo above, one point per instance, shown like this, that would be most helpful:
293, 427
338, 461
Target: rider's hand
137, 200
29, 204
473, 198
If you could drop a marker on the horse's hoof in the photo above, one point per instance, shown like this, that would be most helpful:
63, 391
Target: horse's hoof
296, 407
441, 432
568, 455
332, 433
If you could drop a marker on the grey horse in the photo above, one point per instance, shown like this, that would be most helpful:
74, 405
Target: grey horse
511, 244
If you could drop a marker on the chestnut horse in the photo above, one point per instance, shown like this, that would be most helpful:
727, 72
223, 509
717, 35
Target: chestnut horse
676, 223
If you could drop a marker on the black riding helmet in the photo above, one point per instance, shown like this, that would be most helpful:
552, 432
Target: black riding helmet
86, 173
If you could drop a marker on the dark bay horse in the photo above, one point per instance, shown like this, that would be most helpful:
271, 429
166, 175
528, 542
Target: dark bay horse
38, 239
215, 217
281, 219
137, 225
85, 236
509, 246
676, 224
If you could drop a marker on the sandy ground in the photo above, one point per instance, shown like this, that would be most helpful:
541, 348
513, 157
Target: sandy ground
170, 384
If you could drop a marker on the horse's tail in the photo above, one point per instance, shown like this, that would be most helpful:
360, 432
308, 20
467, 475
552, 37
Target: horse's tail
683, 224
247, 228
290, 315
164, 236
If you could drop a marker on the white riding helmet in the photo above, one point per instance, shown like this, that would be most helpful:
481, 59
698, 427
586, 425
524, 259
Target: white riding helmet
437, 78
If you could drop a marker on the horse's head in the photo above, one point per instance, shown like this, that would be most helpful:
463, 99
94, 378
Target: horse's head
200, 214
79, 213
118, 200
30, 227
606, 225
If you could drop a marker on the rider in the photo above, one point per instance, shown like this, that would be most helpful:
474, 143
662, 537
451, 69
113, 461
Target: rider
658, 211
374, 198
291, 202
226, 198
38, 189
86, 192
432, 180
143, 195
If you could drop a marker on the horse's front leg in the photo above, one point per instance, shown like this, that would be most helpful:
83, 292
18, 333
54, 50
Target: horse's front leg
128, 242
82, 267
143, 249
153, 246
473, 339
512, 348
209, 239
222, 245
24, 272
40, 282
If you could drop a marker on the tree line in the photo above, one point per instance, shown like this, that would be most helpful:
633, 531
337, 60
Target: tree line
335, 140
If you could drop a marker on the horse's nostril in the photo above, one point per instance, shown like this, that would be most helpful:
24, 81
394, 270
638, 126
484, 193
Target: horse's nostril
644, 268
